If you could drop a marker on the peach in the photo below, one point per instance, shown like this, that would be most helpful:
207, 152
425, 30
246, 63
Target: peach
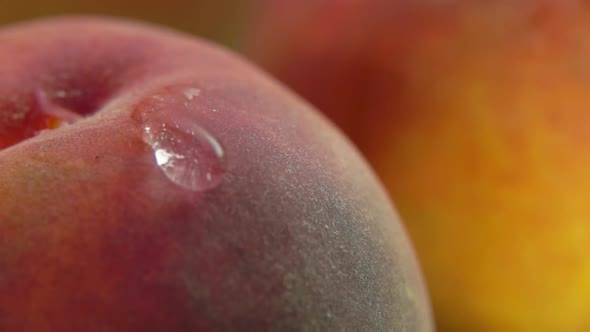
151, 181
475, 115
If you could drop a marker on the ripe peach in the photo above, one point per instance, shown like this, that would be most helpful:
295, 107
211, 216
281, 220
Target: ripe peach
150, 181
475, 115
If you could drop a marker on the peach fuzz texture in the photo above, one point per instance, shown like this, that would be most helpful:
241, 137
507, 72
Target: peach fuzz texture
299, 234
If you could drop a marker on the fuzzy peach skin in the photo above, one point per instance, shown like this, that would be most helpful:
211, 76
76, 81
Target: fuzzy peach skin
298, 235
476, 116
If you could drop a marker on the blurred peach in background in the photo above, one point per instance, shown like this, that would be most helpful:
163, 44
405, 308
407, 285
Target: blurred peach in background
476, 116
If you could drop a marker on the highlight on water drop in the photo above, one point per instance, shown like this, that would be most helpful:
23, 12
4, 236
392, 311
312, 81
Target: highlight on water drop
188, 154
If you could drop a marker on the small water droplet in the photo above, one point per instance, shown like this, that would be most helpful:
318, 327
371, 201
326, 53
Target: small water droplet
191, 93
187, 154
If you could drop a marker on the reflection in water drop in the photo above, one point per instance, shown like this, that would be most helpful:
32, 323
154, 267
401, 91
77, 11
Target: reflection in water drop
187, 154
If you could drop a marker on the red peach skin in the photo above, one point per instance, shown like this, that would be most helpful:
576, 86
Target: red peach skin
298, 235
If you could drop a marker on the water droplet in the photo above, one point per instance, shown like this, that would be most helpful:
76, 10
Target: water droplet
187, 154
191, 93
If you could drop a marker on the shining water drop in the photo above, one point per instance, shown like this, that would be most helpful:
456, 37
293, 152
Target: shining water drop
191, 93
187, 154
